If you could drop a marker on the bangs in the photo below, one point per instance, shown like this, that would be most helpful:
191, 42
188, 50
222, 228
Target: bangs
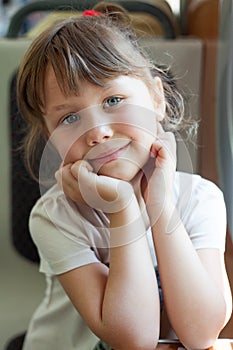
77, 53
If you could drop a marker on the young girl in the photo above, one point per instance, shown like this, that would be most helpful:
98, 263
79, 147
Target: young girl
119, 211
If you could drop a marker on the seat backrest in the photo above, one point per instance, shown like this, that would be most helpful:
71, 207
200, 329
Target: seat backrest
17, 192
159, 16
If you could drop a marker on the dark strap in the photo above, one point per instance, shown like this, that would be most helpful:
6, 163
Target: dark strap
102, 346
24, 190
16, 343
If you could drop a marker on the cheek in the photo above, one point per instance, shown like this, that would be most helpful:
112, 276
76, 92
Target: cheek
72, 154
140, 135
140, 120
67, 145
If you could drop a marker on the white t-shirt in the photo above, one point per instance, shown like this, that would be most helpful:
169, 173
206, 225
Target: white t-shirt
68, 238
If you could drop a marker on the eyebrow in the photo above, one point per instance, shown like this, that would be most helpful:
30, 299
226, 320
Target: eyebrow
60, 107
65, 106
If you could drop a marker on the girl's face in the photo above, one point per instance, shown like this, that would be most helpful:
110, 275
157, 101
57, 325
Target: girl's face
112, 127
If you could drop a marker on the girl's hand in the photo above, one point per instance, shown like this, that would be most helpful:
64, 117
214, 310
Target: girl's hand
159, 174
83, 186
68, 183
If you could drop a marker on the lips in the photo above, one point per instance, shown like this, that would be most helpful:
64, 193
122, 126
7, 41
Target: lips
107, 156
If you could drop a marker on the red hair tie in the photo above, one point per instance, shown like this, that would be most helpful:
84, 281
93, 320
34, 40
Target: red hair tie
91, 13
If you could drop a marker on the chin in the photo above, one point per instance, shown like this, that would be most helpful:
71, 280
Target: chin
120, 173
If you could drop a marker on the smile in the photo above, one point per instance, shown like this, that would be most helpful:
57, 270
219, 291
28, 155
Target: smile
107, 157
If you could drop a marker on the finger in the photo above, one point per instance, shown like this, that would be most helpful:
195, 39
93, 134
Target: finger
164, 147
58, 176
59, 173
65, 178
80, 165
70, 184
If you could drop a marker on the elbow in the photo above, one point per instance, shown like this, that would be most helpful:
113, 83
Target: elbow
202, 339
199, 343
138, 344
147, 342
134, 340
203, 334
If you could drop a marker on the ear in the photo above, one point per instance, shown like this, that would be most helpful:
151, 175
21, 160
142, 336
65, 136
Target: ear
159, 99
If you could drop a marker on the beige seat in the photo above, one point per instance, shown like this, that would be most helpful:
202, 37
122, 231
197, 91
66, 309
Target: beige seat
22, 286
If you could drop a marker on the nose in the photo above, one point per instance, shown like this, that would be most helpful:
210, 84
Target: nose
99, 135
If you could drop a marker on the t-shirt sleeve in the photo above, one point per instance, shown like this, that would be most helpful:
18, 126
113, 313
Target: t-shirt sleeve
59, 234
203, 213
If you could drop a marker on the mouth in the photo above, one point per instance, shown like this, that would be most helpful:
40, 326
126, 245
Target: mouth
108, 156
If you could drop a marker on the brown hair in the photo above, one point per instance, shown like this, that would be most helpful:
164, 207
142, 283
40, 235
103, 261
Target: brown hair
85, 48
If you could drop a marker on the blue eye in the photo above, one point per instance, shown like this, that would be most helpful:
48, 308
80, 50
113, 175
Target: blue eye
70, 119
112, 101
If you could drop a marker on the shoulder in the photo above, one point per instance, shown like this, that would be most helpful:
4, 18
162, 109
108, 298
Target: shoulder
52, 196
195, 187
54, 206
62, 235
202, 208
55, 221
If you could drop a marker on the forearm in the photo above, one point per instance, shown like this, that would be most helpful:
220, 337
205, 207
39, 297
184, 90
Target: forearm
131, 302
194, 303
